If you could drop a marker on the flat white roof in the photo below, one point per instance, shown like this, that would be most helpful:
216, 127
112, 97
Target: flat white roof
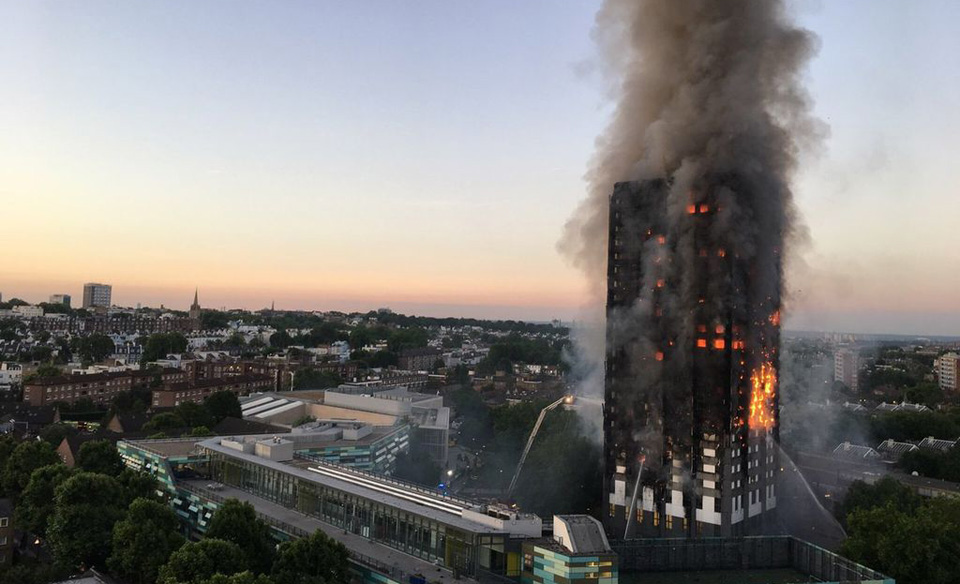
386, 492
264, 407
279, 408
251, 404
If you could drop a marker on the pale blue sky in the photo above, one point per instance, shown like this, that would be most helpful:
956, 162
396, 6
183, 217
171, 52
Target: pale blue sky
424, 154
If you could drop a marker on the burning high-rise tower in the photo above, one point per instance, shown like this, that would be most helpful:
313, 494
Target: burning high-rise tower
690, 412
710, 119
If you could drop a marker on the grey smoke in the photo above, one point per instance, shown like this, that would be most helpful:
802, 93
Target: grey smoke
703, 89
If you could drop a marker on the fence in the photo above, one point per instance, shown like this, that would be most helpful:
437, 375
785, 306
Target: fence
743, 553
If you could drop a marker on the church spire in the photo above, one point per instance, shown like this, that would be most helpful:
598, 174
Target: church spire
195, 311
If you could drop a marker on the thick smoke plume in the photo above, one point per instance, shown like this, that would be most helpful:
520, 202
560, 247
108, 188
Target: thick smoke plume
703, 89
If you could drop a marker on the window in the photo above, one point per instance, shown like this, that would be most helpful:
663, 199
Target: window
613, 510
656, 518
669, 521
4, 521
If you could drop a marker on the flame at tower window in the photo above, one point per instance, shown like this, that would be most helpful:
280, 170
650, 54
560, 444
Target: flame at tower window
763, 387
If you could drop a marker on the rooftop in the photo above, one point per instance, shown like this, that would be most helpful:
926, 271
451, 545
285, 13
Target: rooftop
855, 452
170, 446
440, 508
359, 547
580, 534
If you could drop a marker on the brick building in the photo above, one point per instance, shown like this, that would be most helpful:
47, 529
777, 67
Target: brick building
177, 393
100, 388
421, 359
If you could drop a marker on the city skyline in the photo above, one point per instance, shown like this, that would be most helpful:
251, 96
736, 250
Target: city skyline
316, 169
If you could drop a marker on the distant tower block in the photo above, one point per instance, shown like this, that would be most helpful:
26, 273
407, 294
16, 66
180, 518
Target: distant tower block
97, 295
690, 409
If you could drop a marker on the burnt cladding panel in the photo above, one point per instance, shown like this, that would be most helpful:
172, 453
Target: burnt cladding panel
637, 229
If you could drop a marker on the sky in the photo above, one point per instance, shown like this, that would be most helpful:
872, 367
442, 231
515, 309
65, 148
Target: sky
425, 155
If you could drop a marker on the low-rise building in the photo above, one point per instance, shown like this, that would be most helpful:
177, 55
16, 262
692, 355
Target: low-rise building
60, 299
174, 394
371, 514
100, 388
27, 311
855, 452
6, 533
23, 417
931, 443
892, 450
578, 553
420, 359
11, 374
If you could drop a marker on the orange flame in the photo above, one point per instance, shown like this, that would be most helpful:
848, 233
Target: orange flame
775, 318
763, 383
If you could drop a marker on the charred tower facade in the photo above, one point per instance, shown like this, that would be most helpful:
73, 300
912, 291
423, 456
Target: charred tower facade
691, 406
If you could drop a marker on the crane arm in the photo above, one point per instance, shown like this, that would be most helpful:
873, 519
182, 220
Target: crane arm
533, 435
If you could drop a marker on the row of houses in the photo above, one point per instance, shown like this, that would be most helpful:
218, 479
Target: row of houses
890, 450
169, 387
884, 407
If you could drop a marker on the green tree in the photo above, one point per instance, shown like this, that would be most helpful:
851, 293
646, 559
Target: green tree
247, 577
383, 359
281, 339
307, 378
887, 491
159, 345
324, 334
361, 336
36, 504
562, 472
237, 522
195, 563
164, 421
317, 559
200, 431
214, 319
86, 507
235, 341
194, 414
133, 401
41, 353
48, 371
223, 404
303, 420
137, 485
143, 541
32, 571
55, 433
408, 338
92, 348
461, 376
7, 445
26, 458
914, 547
99, 456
